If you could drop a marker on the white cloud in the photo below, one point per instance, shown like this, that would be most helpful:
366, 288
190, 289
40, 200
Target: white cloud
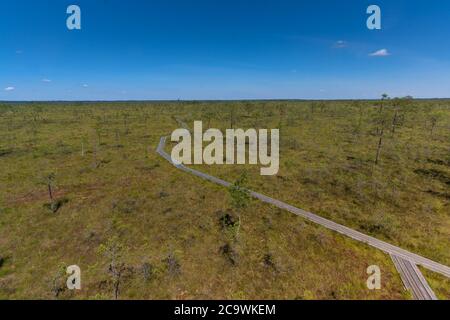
85, 86
10, 89
340, 44
380, 53
46, 80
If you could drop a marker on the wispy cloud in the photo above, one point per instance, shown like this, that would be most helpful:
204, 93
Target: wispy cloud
380, 53
19, 51
340, 44
46, 80
85, 85
10, 89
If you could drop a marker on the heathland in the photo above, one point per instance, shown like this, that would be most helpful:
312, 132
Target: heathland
81, 184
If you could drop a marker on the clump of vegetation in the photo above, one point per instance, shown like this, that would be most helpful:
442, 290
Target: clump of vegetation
163, 194
269, 262
227, 221
55, 205
434, 174
5, 152
58, 282
148, 271
126, 206
173, 266
229, 253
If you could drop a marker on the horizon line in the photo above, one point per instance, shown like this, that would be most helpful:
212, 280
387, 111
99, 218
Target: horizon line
212, 100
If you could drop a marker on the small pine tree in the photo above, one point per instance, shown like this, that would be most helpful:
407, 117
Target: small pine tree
240, 196
113, 250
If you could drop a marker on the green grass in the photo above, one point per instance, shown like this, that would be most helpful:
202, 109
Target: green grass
438, 283
168, 222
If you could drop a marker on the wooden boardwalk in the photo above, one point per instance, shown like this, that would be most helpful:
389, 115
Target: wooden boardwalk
413, 279
409, 259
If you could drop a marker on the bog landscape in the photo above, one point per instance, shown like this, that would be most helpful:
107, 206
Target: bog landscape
82, 184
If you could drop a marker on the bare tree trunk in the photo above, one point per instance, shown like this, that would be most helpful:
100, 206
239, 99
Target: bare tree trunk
394, 122
360, 115
232, 118
380, 142
433, 125
50, 193
116, 289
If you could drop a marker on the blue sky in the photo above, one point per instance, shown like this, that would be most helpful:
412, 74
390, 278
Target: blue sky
223, 50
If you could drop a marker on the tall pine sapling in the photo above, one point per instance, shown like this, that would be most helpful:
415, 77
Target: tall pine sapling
240, 197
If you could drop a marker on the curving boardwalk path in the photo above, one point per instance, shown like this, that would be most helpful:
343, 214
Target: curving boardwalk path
405, 255
413, 279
